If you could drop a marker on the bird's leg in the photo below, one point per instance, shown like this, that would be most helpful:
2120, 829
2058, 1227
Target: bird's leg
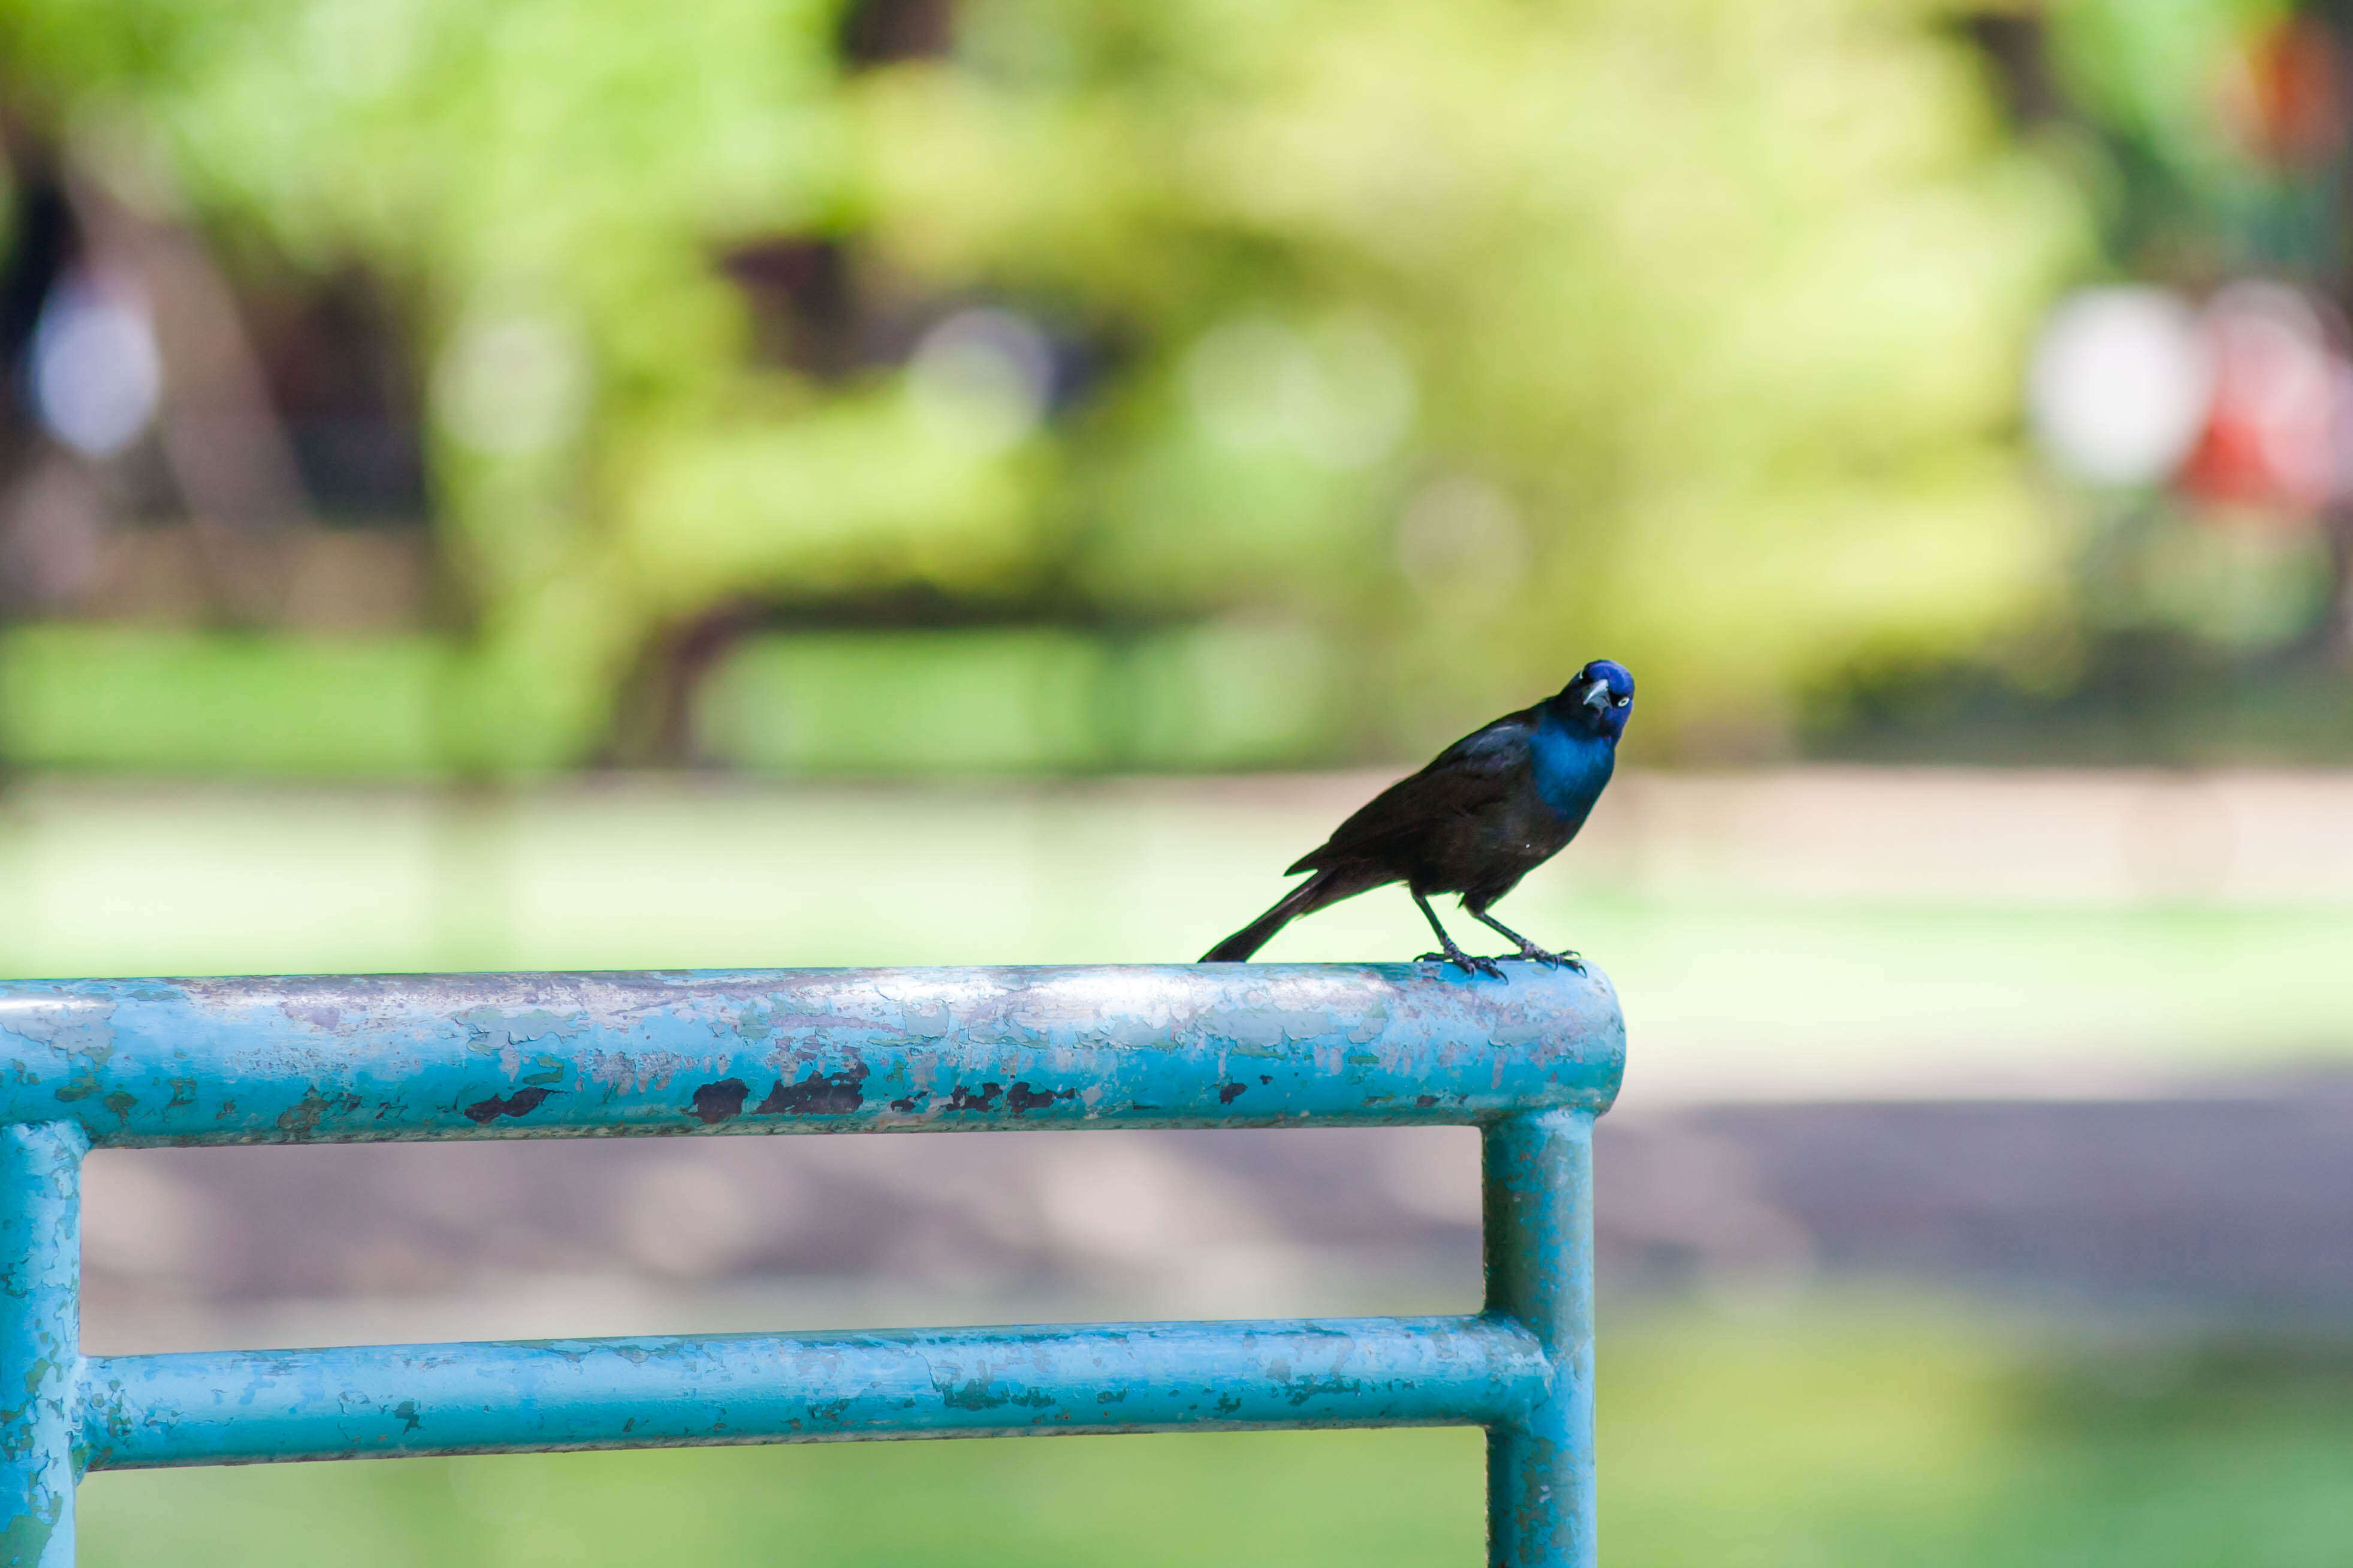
1451, 953
1528, 950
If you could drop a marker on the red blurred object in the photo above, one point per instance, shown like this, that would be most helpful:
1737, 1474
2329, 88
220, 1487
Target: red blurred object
2280, 412
2289, 105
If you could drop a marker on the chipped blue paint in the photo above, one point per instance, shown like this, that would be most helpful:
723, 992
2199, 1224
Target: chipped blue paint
144, 1063
1531, 1059
1538, 1181
40, 1341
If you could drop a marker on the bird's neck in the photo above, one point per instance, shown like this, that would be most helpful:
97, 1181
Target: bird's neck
1572, 763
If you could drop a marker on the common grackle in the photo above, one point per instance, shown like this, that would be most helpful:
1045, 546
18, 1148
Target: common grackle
1491, 808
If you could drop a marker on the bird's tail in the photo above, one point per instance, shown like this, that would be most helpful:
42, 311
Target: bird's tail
1310, 895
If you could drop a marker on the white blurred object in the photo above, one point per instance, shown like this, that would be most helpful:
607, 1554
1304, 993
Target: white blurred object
1460, 536
1371, 402
1244, 378
2120, 384
2340, 439
97, 372
984, 376
1342, 396
512, 385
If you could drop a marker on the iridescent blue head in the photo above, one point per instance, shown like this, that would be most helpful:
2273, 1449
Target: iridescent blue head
1600, 700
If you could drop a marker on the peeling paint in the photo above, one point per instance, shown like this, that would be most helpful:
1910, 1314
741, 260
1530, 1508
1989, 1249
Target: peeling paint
1024, 1099
715, 1102
963, 1099
818, 1094
40, 1255
298, 1123
521, 1103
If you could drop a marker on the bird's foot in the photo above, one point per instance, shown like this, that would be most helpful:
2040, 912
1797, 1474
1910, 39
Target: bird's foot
1466, 962
1535, 954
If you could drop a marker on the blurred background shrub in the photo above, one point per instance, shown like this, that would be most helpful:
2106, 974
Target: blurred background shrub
1374, 364
1366, 366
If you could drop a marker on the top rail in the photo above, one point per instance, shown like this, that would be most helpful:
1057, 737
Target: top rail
144, 1063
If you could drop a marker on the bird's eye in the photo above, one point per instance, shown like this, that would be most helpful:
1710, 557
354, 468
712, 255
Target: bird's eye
1623, 700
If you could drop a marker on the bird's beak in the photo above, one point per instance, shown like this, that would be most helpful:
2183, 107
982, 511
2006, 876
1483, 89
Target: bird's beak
1596, 696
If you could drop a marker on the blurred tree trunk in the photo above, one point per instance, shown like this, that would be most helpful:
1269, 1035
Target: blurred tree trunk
653, 721
226, 448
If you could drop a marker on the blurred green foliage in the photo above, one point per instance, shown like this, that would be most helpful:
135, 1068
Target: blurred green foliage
1823, 1434
1023, 700
2180, 192
1455, 344
170, 701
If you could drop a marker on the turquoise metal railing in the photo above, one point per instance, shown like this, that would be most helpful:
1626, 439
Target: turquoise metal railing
1531, 1060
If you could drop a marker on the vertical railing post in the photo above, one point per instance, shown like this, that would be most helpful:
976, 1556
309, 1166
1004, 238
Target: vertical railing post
1539, 1237
40, 1341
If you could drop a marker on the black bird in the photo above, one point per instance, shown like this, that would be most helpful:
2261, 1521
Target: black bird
1491, 808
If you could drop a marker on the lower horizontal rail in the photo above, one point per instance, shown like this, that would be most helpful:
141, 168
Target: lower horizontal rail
245, 1406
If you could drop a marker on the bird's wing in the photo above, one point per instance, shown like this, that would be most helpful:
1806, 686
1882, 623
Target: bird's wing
1475, 772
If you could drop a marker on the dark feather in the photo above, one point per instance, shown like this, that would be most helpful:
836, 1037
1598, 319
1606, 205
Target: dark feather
1475, 773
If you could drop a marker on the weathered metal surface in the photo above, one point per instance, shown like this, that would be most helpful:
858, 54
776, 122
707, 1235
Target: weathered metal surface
234, 1407
40, 1341
145, 1062
1532, 1058
1538, 1172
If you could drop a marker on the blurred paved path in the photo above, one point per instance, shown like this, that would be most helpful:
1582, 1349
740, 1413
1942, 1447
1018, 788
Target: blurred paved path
2236, 1206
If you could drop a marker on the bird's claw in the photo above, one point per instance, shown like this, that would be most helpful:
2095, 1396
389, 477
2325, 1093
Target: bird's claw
1550, 959
1468, 962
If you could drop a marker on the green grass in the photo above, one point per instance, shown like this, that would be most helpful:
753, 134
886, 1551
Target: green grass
1726, 992
1803, 1437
